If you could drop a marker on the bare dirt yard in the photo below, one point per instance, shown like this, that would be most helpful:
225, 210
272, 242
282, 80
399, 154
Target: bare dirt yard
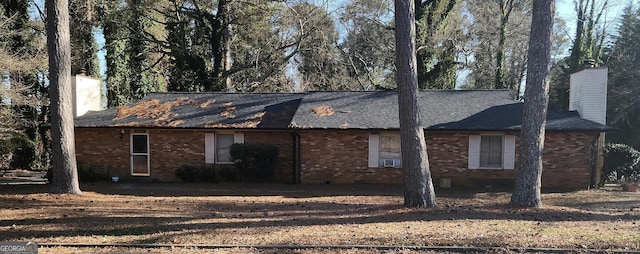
187, 215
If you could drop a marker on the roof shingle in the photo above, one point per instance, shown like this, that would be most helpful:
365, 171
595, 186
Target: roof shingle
479, 110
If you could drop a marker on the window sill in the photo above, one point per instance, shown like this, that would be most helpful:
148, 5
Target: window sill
138, 174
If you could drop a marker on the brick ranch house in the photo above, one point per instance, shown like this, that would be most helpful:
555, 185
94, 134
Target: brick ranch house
345, 137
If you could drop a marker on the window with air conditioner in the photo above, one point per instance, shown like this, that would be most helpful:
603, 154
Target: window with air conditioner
384, 151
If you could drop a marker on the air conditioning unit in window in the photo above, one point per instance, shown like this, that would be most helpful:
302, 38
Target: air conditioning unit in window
390, 163
387, 163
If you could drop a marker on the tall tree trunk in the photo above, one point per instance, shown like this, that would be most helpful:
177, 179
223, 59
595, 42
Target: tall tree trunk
65, 173
84, 50
220, 45
116, 58
436, 67
536, 95
418, 188
505, 9
577, 53
227, 59
140, 83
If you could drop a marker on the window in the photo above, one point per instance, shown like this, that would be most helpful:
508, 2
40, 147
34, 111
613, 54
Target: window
390, 147
491, 151
223, 147
218, 145
384, 151
140, 154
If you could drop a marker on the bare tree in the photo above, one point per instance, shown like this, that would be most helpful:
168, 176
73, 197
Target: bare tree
19, 58
418, 187
65, 173
536, 95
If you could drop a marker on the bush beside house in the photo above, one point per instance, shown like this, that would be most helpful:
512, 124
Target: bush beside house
621, 164
92, 174
196, 174
254, 162
18, 152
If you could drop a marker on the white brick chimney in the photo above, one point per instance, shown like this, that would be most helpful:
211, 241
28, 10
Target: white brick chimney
86, 94
588, 93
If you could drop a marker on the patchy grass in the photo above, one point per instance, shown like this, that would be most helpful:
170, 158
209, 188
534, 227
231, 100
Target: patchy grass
267, 214
177, 250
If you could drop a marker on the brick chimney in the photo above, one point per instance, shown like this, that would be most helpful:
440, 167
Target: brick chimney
588, 92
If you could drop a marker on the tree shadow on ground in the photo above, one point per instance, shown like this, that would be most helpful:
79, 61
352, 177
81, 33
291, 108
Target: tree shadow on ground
83, 218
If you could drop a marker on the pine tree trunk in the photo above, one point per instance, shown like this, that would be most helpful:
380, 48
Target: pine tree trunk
115, 31
418, 188
536, 95
505, 8
65, 175
220, 45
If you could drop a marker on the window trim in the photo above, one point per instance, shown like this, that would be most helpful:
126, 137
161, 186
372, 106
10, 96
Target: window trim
502, 151
215, 147
375, 145
508, 151
148, 154
210, 145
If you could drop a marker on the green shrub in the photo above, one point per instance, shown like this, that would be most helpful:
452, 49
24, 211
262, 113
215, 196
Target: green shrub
254, 162
6, 152
195, 174
227, 173
23, 155
620, 163
90, 174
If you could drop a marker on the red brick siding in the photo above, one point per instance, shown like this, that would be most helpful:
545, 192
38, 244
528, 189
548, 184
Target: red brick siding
168, 151
103, 148
340, 156
448, 158
172, 149
284, 141
567, 160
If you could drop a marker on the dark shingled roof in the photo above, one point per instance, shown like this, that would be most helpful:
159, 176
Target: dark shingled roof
439, 110
466, 110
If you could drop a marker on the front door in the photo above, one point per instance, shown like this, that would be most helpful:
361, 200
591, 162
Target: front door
140, 154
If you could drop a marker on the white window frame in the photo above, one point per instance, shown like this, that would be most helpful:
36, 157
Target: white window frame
508, 151
375, 159
148, 173
211, 145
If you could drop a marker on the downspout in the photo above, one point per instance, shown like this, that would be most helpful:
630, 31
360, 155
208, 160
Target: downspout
296, 157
